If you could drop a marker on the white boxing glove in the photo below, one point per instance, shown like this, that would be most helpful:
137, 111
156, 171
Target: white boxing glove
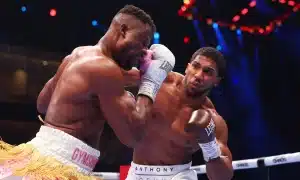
155, 70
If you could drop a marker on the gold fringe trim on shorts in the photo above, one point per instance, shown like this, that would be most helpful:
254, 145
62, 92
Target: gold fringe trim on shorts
25, 160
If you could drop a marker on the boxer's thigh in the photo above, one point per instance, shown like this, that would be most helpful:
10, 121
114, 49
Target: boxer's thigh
186, 175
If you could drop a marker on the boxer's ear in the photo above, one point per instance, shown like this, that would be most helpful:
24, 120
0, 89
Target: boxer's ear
217, 81
187, 67
123, 30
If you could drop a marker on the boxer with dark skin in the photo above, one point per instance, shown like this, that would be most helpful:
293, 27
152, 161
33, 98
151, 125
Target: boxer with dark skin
88, 88
181, 114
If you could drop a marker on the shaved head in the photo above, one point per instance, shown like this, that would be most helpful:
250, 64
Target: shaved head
130, 34
138, 14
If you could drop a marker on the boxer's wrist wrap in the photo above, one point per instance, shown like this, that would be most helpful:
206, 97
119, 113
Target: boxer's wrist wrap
163, 62
149, 89
210, 150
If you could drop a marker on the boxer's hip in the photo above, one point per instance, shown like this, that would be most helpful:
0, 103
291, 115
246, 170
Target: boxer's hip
51, 151
174, 172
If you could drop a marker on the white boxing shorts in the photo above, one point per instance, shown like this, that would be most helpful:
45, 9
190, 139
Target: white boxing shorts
174, 172
51, 155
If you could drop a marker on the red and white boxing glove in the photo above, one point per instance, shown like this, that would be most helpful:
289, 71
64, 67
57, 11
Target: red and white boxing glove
155, 67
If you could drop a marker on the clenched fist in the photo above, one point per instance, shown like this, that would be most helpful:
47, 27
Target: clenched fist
202, 125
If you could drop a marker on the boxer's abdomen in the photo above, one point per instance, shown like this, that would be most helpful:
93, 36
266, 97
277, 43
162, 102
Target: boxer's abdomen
162, 151
166, 142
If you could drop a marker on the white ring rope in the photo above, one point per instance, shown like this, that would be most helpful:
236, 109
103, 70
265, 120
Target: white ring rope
237, 165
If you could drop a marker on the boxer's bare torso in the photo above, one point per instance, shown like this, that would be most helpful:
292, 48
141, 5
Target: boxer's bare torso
73, 107
166, 142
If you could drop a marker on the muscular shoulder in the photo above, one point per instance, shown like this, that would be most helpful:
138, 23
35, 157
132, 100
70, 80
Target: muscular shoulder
174, 77
221, 128
80, 48
208, 104
99, 66
102, 73
85, 51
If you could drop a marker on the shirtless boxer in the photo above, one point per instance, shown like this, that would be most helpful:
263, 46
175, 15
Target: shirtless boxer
184, 121
87, 91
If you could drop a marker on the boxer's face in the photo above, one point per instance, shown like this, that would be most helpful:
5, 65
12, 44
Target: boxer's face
201, 75
132, 45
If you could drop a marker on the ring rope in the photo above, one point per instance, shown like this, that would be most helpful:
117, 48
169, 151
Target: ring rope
237, 165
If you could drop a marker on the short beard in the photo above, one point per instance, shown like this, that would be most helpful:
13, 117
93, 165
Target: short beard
198, 94
125, 64
195, 94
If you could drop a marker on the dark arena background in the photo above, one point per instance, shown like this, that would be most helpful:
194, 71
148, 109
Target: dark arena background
259, 98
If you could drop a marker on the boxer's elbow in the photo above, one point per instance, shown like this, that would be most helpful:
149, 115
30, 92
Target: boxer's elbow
42, 103
44, 97
41, 109
220, 169
41, 106
228, 173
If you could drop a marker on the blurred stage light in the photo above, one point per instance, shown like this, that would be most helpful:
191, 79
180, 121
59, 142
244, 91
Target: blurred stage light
261, 31
282, 1
238, 32
244, 11
94, 23
278, 23
209, 21
219, 48
186, 2
190, 17
23, 9
45, 63
186, 40
252, 3
291, 3
215, 25
236, 18
52, 12
156, 35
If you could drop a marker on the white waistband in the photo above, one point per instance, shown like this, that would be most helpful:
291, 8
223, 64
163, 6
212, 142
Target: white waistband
158, 170
66, 149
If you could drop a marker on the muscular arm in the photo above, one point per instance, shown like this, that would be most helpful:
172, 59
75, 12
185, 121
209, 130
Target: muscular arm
132, 77
221, 168
45, 96
126, 117
132, 80
46, 93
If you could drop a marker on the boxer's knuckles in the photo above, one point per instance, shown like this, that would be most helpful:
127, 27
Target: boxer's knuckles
200, 124
199, 120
